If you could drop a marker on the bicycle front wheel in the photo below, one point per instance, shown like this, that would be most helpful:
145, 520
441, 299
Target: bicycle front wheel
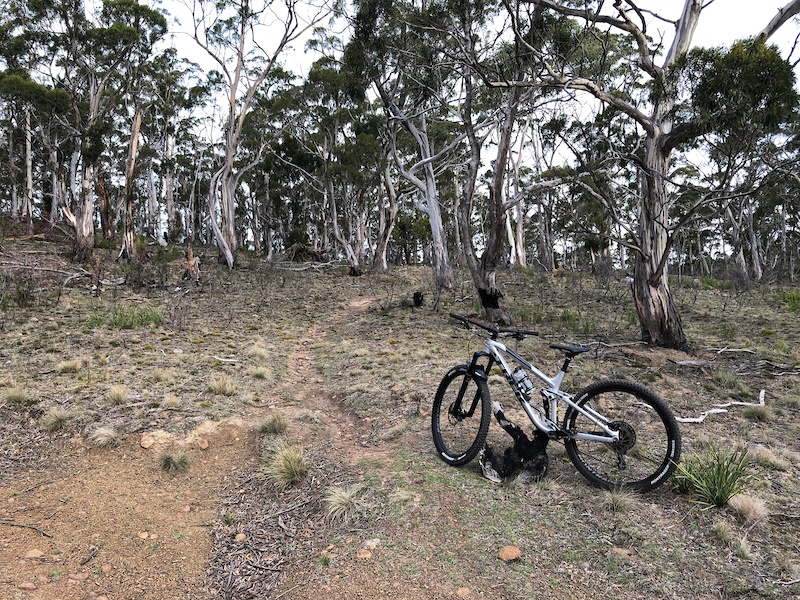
649, 444
460, 417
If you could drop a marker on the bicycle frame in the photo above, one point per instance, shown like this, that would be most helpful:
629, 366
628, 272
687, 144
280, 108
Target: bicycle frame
497, 352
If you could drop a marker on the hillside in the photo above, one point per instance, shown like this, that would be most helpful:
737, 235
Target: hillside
195, 377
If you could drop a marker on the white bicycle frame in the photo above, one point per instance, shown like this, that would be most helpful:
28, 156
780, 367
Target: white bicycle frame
552, 394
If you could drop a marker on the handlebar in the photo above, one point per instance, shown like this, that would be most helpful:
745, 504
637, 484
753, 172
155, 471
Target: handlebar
517, 334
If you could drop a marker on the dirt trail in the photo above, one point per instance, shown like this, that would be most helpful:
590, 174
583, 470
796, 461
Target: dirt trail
108, 523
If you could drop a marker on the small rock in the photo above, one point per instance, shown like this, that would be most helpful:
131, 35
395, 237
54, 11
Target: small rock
79, 576
147, 441
240, 537
28, 586
462, 592
371, 544
34, 553
365, 554
187, 508
509, 553
143, 535
203, 443
106, 568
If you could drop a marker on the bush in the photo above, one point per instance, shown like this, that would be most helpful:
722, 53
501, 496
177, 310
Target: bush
712, 477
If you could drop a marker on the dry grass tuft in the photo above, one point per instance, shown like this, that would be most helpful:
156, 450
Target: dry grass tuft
767, 458
619, 501
55, 419
258, 351
222, 385
171, 401
118, 394
286, 465
749, 508
723, 531
743, 549
104, 437
163, 375
18, 396
71, 366
274, 424
341, 503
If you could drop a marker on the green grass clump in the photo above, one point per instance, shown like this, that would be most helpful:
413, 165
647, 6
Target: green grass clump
792, 300
712, 477
126, 317
173, 463
759, 412
286, 465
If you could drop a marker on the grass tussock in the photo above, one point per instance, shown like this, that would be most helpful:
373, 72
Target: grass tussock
619, 501
341, 503
18, 396
73, 365
222, 385
171, 402
173, 463
749, 508
285, 465
163, 375
767, 458
126, 317
118, 394
104, 437
258, 352
274, 424
759, 412
55, 419
713, 476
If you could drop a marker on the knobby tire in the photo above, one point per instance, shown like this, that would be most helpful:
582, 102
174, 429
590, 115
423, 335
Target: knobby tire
460, 421
650, 443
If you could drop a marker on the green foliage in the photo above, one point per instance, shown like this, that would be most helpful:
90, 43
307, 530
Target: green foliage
713, 477
173, 463
126, 318
792, 300
748, 86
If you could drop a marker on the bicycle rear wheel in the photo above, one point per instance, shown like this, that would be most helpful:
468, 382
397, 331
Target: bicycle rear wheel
649, 444
460, 417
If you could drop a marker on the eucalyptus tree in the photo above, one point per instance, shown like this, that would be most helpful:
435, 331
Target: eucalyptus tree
98, 59
393, 50
654, 114
31, 106
245, 39
339, 136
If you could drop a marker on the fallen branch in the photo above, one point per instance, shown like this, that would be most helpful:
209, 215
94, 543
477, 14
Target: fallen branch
721, 408
11, 524
724, 350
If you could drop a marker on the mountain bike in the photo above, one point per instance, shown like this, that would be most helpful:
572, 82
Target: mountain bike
618, 434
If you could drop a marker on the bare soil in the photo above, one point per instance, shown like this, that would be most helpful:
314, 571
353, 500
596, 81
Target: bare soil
352, 366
